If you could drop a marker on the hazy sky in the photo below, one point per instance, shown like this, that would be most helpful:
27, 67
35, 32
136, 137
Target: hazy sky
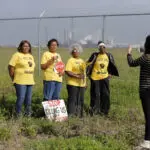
121, 29
23, 8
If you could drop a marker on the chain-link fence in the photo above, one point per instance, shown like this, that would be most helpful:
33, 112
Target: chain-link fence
113, 29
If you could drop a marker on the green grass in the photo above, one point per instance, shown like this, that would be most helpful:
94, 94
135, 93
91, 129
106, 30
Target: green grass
121, 130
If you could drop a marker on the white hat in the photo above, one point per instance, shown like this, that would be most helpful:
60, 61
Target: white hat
101, 44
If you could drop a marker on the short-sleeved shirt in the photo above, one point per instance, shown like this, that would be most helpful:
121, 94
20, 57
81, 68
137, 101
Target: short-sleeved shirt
77, 66
24, 68
49, 73
100, 69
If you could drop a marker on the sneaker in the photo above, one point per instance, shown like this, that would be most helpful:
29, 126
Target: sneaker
145, 144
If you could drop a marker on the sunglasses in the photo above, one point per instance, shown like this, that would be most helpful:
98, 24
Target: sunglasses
101, 47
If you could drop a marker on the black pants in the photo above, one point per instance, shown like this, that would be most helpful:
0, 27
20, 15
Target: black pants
100, 96
145, 98
75, 100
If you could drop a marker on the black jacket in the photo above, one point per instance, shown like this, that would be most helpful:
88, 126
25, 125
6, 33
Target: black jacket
112, 69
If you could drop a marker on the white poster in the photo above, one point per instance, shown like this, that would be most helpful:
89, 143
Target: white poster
55, 110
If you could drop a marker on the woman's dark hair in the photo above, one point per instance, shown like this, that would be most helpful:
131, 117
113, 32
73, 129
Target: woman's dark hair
147, 45
20, 47
51, 41
99, 42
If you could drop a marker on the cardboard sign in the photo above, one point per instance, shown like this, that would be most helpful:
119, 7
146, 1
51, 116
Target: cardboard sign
55, 110
59, 67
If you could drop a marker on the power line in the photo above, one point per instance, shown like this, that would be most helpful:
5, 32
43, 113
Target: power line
76, 16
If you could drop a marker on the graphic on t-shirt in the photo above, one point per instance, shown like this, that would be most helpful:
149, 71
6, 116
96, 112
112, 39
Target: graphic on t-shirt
102, 66
30, 63
100, 69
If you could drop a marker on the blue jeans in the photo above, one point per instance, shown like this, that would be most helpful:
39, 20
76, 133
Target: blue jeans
24, 95
51, 90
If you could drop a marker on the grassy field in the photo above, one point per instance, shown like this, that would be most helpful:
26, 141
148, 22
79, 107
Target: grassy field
123, 129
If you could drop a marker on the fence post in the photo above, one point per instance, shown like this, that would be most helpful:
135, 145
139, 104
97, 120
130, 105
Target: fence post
72, 30
39, 48
103, 29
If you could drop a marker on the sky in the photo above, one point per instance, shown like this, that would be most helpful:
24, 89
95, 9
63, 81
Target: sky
121, 29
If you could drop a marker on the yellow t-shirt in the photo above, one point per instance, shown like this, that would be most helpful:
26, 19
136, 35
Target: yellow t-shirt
77, 66
49, 73
24, 68
100, 69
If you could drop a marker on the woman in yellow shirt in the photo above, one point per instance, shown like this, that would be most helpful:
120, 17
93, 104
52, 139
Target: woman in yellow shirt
21, 70
103, 66
76, 82
52, 79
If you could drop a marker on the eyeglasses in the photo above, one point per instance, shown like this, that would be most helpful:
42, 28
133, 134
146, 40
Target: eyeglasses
75, 51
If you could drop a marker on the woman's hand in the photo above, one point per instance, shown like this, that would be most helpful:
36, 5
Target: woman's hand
11, 70
109, 76
86, 86
129, 49
61, 73
80, 76
49, 62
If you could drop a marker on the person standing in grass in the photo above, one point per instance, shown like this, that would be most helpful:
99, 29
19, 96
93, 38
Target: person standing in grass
52, 79
144, 87
76, 81
21, 70
100, 67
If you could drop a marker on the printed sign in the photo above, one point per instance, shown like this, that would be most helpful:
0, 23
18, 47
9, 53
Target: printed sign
55, 110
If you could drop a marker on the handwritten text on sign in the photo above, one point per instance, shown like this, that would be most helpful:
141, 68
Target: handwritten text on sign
55, 110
